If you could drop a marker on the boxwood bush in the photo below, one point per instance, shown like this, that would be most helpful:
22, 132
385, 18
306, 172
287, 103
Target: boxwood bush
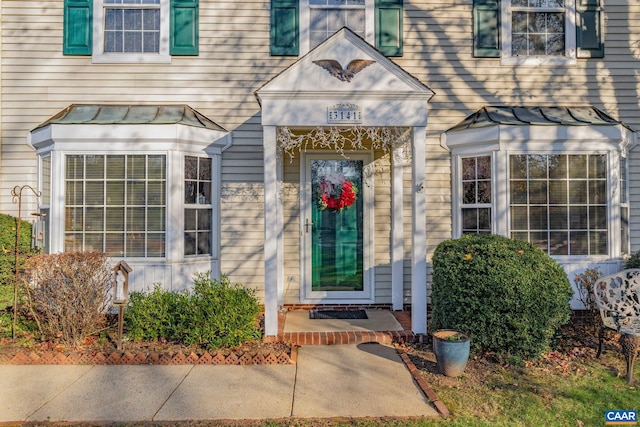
508, 295
8, 242
216, 314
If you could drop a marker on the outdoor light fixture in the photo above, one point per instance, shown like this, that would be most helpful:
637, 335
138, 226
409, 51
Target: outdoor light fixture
121, 295
121, 271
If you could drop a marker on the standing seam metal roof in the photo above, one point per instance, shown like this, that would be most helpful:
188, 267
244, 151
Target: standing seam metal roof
539, 116
131, 115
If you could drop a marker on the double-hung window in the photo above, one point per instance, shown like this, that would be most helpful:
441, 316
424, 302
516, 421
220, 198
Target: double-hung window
328, 16
476, 194
538, 32
130, 30
132, 26
197, 206
298, 26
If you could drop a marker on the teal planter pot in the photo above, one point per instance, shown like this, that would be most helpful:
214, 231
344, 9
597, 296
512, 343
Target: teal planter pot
451, 348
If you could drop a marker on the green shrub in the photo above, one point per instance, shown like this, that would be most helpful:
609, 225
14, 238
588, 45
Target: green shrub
153, 315
508, 295
216, 314
8, 243
633, 261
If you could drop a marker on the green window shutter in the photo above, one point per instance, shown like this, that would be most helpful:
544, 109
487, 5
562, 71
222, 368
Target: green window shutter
486, 29
388, 15
184, 27
78, 28
285, 27
589, 40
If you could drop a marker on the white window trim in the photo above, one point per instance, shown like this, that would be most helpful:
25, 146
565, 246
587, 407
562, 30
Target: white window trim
613, 199
458, 191
167, 208
99, 56
569, 57
500, 205
305, 24
210, 206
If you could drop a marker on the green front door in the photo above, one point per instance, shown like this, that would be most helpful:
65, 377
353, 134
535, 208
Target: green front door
335, 229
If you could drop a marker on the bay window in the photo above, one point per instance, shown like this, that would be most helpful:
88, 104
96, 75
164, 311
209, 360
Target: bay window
552, 176
136, 182
197, 211
476, 194
116, 204
559, 203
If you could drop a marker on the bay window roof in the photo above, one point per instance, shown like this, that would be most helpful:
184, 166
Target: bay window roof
541, 128
131, 115
540, 116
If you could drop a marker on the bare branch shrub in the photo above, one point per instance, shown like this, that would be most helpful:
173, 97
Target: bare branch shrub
584, 284
69, 294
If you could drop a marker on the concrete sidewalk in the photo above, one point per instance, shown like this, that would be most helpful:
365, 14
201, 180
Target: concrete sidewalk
363, 380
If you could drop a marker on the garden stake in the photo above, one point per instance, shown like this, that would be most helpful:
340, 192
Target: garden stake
17, 197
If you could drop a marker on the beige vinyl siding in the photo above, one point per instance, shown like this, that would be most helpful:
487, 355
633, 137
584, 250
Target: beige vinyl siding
38, 81
291, 208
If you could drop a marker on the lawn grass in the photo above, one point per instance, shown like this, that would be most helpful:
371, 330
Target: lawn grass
517, 396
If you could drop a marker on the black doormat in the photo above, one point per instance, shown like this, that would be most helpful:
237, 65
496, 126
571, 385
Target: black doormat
337, 314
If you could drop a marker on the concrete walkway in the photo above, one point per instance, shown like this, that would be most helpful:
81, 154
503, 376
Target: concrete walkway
363, 380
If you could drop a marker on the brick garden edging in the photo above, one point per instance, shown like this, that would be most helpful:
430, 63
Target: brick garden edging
128, 358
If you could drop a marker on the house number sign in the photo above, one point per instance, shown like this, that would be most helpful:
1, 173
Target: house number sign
344, 113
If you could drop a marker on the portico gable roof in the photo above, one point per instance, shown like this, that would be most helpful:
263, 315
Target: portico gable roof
386, 94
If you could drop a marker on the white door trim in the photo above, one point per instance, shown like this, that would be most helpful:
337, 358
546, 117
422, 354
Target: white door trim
367, 296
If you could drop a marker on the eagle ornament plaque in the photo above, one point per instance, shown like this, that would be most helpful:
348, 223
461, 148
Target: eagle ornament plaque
344, 74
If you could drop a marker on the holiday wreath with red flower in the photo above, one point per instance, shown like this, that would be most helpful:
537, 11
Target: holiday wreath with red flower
337, 192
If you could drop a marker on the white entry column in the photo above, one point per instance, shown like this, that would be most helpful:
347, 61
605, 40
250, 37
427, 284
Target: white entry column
272, 232
418, 233
397, 228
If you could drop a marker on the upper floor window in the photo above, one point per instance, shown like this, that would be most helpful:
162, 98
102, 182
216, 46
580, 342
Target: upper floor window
132, 26
328, 16
130, 30
298, 26
538, 32
538, 27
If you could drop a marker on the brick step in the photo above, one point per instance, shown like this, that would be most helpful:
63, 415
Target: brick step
349, 337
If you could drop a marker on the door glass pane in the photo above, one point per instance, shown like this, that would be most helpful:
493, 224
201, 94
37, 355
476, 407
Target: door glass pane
337, 230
